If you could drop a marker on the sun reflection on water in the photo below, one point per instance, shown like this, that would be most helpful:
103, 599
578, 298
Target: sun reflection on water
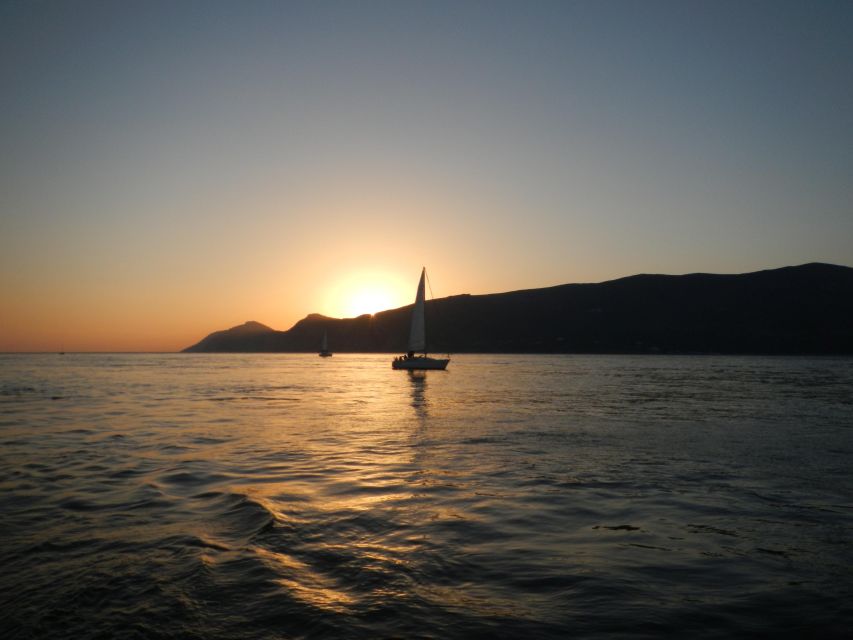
304, 583
499, 501
347, 467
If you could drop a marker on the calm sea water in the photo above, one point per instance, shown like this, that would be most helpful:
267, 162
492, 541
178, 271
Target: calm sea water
289, 496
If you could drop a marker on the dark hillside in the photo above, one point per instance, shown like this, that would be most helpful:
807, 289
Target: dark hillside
793, 310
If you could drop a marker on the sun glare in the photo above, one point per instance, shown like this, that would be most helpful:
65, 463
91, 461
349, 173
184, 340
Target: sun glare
367, 300
357, 294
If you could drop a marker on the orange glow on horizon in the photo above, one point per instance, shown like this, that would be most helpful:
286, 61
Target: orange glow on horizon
367, 300
367, 292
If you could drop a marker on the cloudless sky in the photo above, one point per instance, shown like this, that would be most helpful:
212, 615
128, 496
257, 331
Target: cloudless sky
173, 168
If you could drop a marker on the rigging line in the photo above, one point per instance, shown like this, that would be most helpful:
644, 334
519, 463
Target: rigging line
431, 294
429, 284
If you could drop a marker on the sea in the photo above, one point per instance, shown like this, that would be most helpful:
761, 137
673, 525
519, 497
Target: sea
274, 496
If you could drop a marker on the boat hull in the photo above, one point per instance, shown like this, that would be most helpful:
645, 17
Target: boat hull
422, 362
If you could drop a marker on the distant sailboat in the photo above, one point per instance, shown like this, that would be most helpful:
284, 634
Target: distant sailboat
417, 339
324, 347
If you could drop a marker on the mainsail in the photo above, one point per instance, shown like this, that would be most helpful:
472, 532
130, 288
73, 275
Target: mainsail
417, 339
417, 335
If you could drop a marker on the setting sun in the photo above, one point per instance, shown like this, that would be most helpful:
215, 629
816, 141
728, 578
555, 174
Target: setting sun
367, 300
367, 292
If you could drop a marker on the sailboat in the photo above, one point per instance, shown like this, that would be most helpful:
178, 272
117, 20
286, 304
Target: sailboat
417, 339
324, 347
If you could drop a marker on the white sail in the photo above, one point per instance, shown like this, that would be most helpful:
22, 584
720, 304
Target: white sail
417, 339
417, 336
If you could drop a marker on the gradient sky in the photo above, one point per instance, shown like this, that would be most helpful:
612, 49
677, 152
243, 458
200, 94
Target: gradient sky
173, 168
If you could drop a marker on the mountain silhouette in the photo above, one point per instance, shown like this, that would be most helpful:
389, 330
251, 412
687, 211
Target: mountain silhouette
807, 309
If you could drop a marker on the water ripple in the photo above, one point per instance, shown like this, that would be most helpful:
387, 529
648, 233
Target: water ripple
239, 496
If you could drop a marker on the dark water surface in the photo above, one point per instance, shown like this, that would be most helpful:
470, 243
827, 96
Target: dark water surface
289, 496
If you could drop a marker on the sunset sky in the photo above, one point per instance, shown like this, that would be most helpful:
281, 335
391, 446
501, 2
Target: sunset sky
173, 168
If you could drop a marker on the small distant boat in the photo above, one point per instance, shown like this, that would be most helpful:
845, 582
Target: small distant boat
417, 339
324, 347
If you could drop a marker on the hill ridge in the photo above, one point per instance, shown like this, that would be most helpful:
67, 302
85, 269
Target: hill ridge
798, 309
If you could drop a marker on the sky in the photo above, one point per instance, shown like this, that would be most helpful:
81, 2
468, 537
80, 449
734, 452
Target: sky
169, 169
